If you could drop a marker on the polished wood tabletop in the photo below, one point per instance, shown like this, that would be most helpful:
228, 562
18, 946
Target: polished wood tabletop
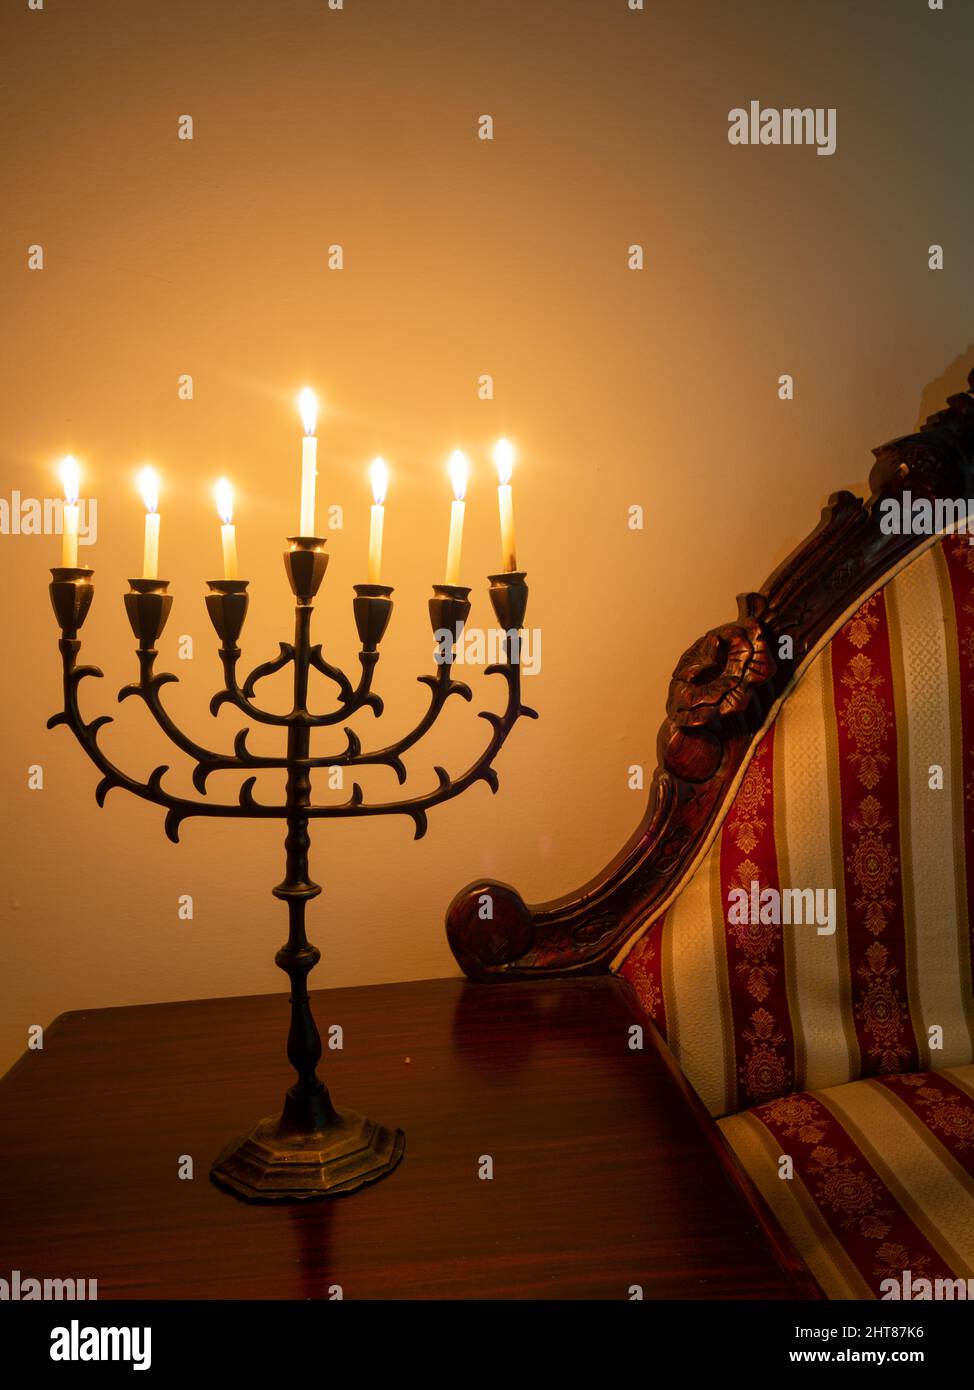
603, 1176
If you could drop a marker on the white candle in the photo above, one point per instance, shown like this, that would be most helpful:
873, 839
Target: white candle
380, 484
228, 532
504, 459
149, 485
458, 477
71, 482
308, 405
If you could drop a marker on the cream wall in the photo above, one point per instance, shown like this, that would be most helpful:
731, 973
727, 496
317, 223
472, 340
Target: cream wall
463, 257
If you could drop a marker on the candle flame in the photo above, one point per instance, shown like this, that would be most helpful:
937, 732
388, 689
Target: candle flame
504, 459
223, 493
149, 487
380, 481
459, 471
70, 479
308, 406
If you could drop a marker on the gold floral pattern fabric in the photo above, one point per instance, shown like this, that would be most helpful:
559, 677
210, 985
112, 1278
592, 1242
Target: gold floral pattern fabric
865, 1177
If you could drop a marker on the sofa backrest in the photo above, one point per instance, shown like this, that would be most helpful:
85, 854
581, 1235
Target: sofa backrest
862, 790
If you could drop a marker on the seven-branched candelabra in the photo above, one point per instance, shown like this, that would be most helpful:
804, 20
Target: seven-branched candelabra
313, 1148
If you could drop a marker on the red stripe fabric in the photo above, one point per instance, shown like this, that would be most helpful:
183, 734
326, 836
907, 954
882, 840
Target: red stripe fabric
943, 1108
761, 1025
873, 1229
869, 794
643, 968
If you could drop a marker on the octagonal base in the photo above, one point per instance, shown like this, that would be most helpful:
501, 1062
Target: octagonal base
270, 1166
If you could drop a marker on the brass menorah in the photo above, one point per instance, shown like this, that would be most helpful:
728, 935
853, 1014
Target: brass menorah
313, 1148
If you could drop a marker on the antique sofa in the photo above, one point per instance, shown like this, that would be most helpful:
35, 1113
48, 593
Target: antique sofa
823, 741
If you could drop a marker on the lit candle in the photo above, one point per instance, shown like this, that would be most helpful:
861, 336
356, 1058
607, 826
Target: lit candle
228, 532
308, 406
149, 485
71, 482
380, 484
504, 459
458, 477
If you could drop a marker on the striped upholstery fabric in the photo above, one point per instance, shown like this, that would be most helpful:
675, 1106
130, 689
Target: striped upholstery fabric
849, 1054
864, 784
882, 1181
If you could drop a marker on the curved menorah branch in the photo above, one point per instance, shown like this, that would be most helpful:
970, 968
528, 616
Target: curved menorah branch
361, 697
233, 693
442, 686
285, 656
316, 659
208, 760
351, 755
178, 808
268, 668
480, 770
147, 689
333, 673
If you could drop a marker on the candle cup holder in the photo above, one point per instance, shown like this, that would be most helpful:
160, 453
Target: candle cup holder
509, 597
372, 606
147, 604
71, 591
226, 604
305, 562
449, 610
312, 1148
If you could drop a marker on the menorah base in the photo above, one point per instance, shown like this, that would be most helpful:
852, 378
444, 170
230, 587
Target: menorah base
270, 1166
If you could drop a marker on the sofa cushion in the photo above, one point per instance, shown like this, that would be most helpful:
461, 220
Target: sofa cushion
880, 1200
863, 785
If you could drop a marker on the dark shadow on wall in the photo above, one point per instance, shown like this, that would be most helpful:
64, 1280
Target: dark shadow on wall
951, 380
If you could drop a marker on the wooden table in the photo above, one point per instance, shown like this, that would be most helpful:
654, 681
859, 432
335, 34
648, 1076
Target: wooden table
603, 1175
